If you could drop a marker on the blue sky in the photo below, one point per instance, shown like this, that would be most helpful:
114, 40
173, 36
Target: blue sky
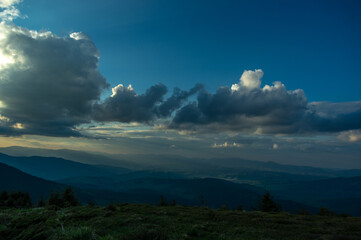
312, 45
266, 80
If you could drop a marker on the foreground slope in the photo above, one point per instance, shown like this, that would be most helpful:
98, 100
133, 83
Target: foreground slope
129, 221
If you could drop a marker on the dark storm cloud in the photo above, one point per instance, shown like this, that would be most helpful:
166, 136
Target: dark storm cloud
176, 100
334, 123
244, 108
50, 83
272, 109
124, 105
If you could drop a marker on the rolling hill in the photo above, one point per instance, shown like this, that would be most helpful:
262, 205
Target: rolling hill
52, 168
12, 179
339, 194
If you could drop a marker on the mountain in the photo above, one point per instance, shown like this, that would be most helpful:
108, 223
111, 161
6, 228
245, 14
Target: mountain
52, 168
196, 167
229, 184
12, 179
214, 192
342, 195
270, 180
77, 156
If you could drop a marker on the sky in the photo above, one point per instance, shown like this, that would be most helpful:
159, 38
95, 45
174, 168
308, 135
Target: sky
262, 80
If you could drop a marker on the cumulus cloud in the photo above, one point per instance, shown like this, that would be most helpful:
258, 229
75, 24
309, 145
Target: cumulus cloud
248, 107
48, 84
124, 105
249, 80
176, 100
8, 11
245, 107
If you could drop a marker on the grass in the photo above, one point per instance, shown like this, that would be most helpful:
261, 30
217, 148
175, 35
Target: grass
145, 222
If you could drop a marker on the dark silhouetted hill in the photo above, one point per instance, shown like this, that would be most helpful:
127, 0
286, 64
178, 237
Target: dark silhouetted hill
57, 168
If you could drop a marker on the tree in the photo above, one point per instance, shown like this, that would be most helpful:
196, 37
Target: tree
22, 200
325, 212
240, 208
40, 202
267, 204
4, 195
304, 211
68, 198
201, 198
163, 202
54, 199
15, 199
64, 199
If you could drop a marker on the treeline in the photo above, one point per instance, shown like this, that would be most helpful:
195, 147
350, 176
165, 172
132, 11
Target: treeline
66, 198
15, 200
266, 204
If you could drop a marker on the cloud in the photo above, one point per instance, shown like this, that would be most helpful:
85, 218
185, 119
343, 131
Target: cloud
176, 100
333, 117
124, 105
249, 80
8, 11
227, 145
48, 84
51, 85
332, 110
8, 3
246, 107
350, 136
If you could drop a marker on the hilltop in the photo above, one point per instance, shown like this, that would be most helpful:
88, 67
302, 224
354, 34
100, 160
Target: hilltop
130, 221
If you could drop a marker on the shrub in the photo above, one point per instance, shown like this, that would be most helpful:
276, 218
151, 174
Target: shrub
304, 211
111, 207
147, 234
325, 212
223, 207
76, 233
